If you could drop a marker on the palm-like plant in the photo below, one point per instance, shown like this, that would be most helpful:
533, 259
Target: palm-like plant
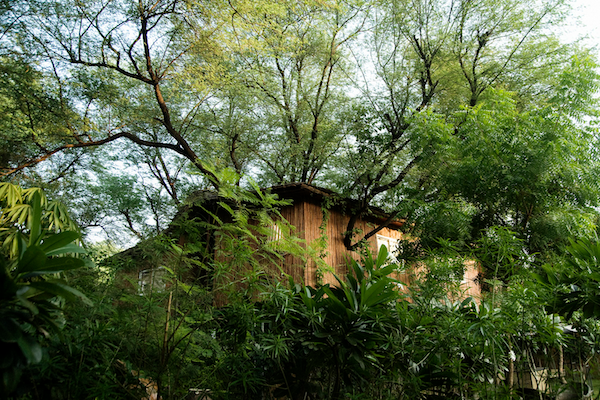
31, 288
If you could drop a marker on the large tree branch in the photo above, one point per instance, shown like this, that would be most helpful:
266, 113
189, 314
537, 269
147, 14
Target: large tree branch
130, 224
103, 64
371, 233
161, 172
398, 179
166, 121
95, 143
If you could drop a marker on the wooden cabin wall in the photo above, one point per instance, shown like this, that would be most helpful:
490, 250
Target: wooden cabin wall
308, 219
405, 277
295, 266
336, 254
470, 284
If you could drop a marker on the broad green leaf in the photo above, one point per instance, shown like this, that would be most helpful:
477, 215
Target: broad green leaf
177, 249
382, 256
358, 271
10, 378
31, 349
59, 240
339, 307
542, 279
68, 249
349, 293
385, 271
58, 288
34, 259
595, 276
466, 302
374, 293
35, 220
58, 264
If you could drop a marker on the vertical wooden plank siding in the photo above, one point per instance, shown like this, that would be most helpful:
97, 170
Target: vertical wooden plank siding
313, 218
312, 222
308, 218
295, 266
336, 254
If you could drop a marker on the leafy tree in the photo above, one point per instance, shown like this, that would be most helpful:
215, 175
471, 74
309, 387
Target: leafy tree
115, 61
380, 101
292, 56
431, 60
531, 170
522, 169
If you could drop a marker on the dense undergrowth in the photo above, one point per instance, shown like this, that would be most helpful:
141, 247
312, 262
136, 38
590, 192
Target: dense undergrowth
364, 338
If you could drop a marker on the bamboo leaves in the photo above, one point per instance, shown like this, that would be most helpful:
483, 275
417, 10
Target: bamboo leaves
30, 287
31, 212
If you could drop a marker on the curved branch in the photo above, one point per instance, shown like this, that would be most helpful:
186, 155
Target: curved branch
365, 206
183, 145
127, 135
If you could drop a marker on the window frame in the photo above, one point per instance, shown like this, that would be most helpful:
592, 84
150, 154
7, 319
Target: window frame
157, 281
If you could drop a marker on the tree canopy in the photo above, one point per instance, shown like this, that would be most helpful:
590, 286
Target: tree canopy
470, 113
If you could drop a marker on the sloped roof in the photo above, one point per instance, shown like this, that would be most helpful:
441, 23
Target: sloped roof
293, 190
302, 192
305, 192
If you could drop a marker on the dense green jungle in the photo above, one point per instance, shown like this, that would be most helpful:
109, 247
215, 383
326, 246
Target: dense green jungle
75, 323
474, 122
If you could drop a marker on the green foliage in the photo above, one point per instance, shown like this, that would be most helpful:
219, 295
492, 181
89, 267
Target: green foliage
130, 341
243, 240
502, 254
312, 341
408, 102
471, 120
363, 338
18, 218
31, 287
522, 169
33, 112
574, 283
449, 220
165, 334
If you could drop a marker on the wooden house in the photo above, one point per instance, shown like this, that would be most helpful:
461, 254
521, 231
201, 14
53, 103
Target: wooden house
319, 214
320, 219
